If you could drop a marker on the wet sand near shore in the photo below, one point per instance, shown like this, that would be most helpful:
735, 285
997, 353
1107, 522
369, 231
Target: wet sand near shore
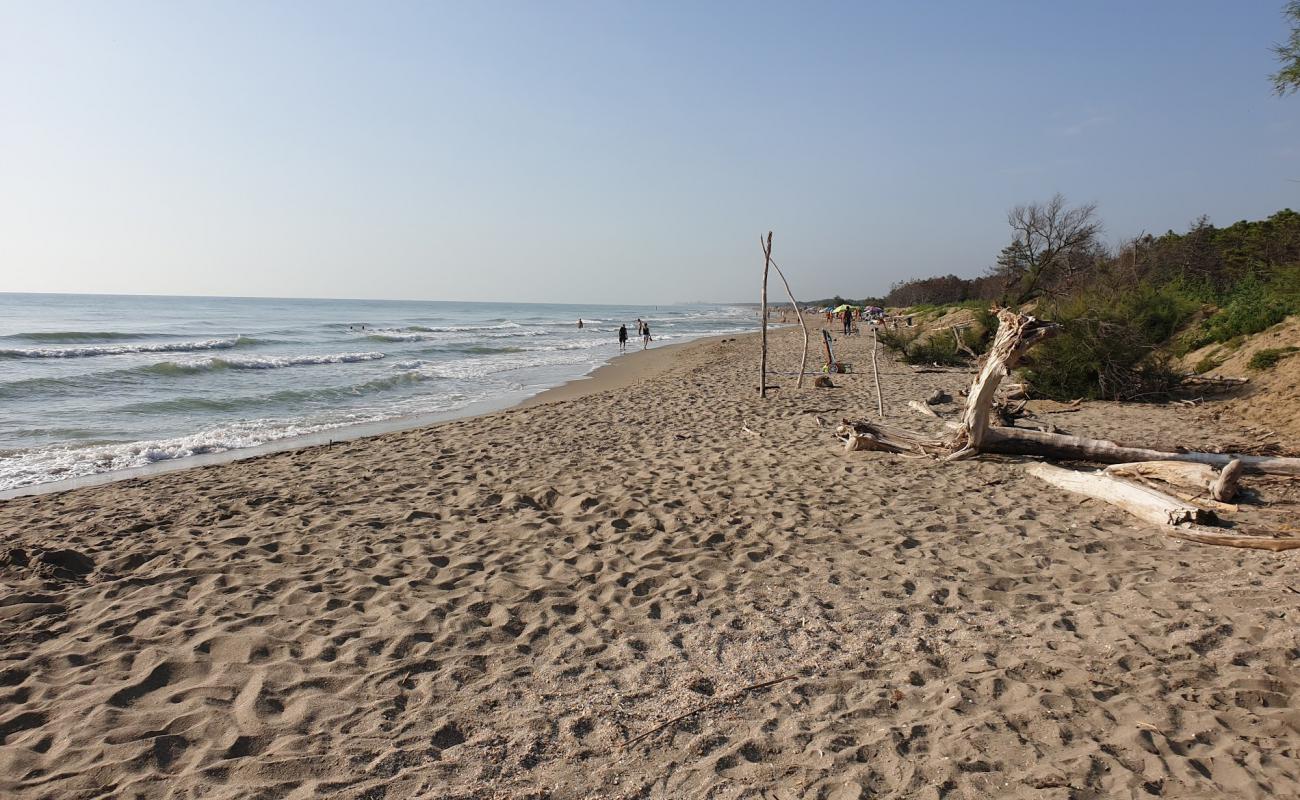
498, 606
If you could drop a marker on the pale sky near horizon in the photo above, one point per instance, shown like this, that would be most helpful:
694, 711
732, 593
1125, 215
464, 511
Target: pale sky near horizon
610, 152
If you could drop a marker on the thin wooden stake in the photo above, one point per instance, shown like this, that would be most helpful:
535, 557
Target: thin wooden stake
875, 373
762, 361
803, 360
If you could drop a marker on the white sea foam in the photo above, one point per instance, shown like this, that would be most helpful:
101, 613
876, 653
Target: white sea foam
57, 463
122, 349
276, 362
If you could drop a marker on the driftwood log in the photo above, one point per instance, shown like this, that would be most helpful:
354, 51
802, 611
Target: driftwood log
1179, 519
1140, 501
1021, 442
1017, 333
861, 435
1221, 485
922, 408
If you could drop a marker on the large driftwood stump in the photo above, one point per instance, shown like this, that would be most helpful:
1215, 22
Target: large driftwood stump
1016, 334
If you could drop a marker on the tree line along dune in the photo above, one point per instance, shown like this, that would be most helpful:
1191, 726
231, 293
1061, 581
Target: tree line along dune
1153, 319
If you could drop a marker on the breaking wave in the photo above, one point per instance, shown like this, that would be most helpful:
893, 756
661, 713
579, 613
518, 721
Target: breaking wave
122, 349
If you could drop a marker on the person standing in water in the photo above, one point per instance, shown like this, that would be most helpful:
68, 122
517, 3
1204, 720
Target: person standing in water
579, 323
640, 327
645, 335
622, 338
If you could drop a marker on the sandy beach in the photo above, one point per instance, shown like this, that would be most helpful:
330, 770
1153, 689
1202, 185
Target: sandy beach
503, 607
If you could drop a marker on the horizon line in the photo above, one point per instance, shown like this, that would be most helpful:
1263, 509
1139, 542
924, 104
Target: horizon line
366, 299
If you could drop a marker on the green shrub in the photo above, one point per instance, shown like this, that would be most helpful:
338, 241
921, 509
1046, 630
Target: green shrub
914, 348
1157, 313
1267, 359
1206, 364
940, 348
1252, 306
897, 339
1107, 346
1099, 360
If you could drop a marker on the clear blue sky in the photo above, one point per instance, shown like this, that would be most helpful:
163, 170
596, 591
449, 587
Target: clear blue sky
610, 152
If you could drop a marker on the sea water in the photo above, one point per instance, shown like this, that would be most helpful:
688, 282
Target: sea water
92, 384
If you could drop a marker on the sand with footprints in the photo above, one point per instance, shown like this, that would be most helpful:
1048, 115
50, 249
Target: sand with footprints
500, 606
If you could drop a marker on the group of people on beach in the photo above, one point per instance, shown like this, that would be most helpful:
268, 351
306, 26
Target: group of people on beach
642, 331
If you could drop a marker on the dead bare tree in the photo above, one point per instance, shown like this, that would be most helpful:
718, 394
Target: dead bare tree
1050, 242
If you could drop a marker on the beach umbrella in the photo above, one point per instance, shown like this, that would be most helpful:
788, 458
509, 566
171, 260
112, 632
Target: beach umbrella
844, 308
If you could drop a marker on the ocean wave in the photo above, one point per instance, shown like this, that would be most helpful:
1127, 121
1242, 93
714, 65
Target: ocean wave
254, 362
462, 328
294, 397
84, 336
417, 333
463, 350
123, 349
398, 336
479, 367
132, 377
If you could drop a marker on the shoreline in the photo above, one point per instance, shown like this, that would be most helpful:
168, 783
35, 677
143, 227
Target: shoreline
620, 371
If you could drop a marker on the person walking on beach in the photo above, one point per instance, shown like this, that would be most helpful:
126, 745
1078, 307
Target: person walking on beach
848, 321
645, 335
622, 338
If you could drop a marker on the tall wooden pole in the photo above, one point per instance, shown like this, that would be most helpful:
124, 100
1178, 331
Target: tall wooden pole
875, 373
762, 362
803, 360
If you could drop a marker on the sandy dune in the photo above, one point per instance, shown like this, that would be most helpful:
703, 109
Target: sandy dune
493, 607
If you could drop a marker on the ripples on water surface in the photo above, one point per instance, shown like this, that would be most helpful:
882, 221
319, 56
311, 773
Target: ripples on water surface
92, 384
